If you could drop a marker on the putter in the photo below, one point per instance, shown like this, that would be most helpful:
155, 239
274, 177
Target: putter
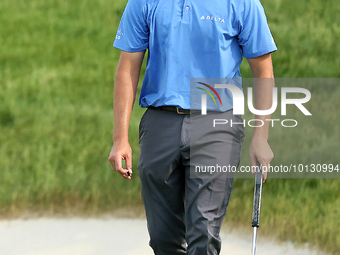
256, 205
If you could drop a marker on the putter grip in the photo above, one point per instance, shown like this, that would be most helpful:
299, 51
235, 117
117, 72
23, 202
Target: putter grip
257, 197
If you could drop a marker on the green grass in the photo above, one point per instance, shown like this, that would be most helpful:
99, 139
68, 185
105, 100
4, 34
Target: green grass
57, 68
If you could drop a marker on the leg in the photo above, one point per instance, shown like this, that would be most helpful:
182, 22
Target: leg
162, 179
207, 195
207, 204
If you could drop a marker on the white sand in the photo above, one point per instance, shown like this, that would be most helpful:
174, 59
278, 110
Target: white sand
77, 236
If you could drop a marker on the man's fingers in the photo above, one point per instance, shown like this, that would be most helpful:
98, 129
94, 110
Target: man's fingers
127, 173
261, 152
123, 172
116, 162
264, 175
120, 152
264, 168
128, 163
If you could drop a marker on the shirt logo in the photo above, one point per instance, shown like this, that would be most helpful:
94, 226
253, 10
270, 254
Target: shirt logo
212, 18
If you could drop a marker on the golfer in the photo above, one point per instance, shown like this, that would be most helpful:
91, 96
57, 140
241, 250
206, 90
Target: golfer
188, 39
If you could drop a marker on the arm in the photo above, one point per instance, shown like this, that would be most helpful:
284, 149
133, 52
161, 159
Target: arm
127, 76
259, 149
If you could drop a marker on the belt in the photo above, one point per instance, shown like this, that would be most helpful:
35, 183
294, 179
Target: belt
176, 110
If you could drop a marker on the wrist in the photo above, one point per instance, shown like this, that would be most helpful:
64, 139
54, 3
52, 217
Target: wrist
120, 139
260, 136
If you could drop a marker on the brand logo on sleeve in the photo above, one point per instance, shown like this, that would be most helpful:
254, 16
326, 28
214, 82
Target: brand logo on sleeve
119, 34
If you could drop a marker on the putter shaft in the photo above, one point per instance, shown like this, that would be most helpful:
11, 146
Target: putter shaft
253, 249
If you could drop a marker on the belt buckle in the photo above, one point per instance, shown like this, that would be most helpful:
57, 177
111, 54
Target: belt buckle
179, 111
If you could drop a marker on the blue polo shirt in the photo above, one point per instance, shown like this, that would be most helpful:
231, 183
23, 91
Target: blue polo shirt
191, 39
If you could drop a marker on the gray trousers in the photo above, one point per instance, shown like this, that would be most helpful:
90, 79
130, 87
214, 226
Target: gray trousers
185, 212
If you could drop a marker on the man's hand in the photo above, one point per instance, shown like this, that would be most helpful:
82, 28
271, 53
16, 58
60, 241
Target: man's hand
259, 150
121, 151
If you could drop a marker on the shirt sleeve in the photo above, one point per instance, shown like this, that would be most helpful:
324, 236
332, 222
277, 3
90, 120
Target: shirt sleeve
255, 38
133, 31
